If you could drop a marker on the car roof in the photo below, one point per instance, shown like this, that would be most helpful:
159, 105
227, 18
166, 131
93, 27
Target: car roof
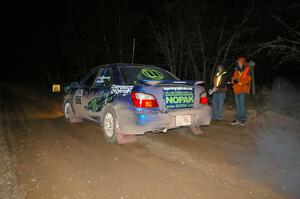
114, 65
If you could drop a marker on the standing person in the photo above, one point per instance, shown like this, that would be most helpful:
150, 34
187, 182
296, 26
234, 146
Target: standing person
241, 81
219, 93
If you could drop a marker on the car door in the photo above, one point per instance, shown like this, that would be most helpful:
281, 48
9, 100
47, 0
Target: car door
99, 93
80, 97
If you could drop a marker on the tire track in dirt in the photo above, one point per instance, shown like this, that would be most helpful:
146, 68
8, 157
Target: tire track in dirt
9, 187
182, 163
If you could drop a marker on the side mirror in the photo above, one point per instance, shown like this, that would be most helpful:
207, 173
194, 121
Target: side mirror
74, 84
71, 86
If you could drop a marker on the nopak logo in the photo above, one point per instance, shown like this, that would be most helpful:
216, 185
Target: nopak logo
179, 98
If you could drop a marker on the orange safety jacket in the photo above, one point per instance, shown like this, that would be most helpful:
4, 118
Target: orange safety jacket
244, 80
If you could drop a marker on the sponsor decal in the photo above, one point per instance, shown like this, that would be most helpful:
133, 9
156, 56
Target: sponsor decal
97, 103
94, 104
179, 88
124, 89
152, 74
179, 97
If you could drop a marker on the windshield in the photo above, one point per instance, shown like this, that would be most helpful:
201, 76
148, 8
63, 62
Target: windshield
134, 74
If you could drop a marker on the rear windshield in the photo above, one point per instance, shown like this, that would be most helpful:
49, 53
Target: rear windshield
133, 74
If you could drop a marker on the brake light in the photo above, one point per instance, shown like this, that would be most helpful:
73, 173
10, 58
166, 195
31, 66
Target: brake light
203, 99
143, 100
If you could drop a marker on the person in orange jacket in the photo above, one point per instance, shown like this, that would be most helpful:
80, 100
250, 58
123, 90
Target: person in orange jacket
241, 81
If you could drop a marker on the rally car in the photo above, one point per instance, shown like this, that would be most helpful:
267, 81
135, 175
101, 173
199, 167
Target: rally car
130, 99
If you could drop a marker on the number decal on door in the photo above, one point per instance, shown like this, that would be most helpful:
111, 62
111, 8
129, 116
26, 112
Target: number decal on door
78, 96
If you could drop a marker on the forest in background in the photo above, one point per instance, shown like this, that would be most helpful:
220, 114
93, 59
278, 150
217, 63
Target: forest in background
189, 38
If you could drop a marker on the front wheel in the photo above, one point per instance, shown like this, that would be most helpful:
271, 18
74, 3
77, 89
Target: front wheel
68, 111
69, 114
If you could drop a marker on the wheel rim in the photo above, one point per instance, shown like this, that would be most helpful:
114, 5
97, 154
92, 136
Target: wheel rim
109, 125
67, 110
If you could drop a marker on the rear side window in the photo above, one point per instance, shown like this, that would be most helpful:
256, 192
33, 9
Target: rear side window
133, 74
104, 78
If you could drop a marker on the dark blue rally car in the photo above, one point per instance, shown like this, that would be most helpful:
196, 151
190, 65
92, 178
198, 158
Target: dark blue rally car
131, 99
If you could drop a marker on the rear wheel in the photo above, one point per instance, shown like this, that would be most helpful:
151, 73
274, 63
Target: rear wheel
111, 129
109, 126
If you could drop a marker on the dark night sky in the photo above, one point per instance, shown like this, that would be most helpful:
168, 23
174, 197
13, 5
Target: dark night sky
33, 35
30, 37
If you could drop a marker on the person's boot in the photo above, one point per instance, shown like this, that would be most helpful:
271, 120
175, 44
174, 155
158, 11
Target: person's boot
235, 122
243, 123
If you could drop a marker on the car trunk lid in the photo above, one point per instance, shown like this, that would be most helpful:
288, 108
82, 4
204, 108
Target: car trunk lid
173, 95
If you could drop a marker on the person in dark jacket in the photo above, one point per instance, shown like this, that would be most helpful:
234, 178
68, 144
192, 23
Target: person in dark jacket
219, 93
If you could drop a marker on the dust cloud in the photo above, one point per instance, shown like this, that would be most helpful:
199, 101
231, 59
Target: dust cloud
278, 140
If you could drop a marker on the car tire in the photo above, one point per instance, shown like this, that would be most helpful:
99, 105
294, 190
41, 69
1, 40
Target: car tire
69, 114
109, 126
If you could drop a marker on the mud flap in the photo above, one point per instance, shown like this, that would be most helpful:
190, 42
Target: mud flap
125, 139
122, 138
196, 130
74, 119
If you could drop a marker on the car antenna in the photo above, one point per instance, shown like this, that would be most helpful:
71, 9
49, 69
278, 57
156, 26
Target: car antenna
133, 49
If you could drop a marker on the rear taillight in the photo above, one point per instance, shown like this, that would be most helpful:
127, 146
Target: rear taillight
203, 99
143, 100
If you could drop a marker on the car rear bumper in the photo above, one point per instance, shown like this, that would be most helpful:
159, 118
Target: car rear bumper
140, 122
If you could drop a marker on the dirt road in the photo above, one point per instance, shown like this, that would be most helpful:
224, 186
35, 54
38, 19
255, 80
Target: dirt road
49, 158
